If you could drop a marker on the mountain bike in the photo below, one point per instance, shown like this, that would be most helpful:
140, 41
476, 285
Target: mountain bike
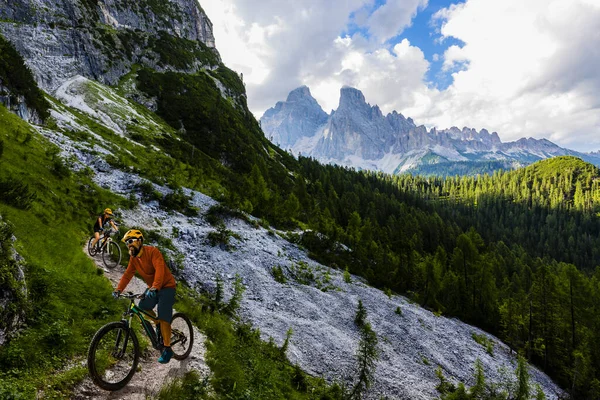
114, 352
111, 252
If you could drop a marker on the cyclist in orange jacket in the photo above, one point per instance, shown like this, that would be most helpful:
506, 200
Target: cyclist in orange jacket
149, 263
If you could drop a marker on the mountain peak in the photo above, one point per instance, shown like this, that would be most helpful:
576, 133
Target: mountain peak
299, 93
350, 96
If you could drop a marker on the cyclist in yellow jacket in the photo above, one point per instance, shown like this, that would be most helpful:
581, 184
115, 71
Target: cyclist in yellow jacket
149, 263
105, 218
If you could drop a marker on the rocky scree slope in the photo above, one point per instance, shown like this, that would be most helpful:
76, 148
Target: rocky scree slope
321, 311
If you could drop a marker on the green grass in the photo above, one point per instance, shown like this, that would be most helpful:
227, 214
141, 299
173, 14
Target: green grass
68, 300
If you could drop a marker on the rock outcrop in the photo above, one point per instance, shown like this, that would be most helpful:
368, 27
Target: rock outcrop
102, 39
12, 287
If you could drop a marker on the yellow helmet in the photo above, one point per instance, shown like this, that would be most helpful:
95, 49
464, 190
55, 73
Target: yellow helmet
108, 211
132, 234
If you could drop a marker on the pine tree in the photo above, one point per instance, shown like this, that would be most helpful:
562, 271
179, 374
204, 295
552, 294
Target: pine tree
522, 380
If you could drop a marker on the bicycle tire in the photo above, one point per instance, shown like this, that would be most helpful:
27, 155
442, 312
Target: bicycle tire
111, 255
102, 363
91, 249
182, 336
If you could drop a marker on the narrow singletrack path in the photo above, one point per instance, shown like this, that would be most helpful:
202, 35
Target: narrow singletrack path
151, 375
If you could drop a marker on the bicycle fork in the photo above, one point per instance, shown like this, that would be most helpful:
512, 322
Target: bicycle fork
119, 351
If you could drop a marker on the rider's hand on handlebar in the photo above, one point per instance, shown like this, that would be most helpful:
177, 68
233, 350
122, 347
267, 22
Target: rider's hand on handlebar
116, 294
151, 293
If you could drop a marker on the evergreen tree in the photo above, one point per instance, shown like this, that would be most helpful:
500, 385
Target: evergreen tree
522, 380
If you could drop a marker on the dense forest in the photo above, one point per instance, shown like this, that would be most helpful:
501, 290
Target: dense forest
500, 251
513, 252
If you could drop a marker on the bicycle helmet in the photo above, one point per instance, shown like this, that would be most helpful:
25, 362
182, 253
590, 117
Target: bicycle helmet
132, 234
108, 211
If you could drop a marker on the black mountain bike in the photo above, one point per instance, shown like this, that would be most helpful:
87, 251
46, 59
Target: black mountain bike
111, 252
114, 352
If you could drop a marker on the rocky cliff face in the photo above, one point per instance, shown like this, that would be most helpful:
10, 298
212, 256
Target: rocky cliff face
17, 105
299, 116
358, 135
355, 128
102, 39
12, 287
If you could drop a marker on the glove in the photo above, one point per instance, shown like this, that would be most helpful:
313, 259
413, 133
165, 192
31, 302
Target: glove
151, 293
116, 294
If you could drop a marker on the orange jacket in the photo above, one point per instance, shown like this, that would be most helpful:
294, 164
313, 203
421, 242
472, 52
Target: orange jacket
150, 264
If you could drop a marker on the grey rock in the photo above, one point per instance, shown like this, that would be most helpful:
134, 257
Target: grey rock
299, 116
358, 135
60, 39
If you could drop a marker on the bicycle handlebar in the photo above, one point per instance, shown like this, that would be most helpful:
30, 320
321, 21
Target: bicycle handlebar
131, 295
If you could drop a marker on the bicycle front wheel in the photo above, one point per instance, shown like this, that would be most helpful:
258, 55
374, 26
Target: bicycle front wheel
91, 249
111, 255
113, 356
182, 337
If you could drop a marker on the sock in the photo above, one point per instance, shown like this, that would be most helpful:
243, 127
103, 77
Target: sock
165, 329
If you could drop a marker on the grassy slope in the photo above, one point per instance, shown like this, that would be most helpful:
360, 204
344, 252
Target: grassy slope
69, 297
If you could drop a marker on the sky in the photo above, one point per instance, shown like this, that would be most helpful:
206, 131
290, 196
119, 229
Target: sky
522, 68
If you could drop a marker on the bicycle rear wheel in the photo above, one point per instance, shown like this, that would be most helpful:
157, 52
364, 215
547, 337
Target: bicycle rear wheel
182, 337
111, 255
91, 249
113, 356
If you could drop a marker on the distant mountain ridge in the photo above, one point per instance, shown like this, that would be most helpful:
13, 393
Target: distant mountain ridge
359, 135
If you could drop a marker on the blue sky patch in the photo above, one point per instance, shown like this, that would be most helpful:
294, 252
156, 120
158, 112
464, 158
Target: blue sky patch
422, 34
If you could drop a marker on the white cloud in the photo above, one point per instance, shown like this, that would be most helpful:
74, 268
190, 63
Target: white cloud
524, 68
532, 70
453, 56
280, 45
391, 18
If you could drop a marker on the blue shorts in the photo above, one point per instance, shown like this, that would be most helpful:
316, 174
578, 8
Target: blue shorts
165, 298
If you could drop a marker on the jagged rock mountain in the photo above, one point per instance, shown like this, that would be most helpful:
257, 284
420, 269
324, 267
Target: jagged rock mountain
359, 135
293, 119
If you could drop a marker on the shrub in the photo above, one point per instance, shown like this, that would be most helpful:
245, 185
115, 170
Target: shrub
16, 193
189, 386
148, 192
278, 275
347, 276
178, 201
485, 342
60, 169
388, 292
222, 237
236, 299
217, 213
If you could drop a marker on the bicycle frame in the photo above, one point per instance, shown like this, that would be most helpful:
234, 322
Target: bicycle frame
134, 310
105, 240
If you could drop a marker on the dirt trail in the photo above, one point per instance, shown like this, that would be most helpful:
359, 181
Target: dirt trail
151, 375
